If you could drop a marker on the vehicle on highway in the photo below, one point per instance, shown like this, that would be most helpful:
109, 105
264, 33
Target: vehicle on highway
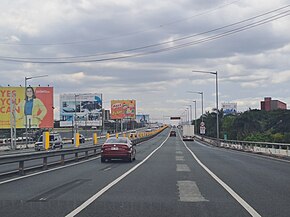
82, 139
172, 133
188, 132
55, 141
133, 134
148, 130
118, 148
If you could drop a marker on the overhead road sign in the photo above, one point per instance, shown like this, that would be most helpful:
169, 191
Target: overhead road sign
175, 118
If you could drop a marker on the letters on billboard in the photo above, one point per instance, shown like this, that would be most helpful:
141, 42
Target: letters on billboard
81, 109
123, 109
229, 108
143, 119
33, 107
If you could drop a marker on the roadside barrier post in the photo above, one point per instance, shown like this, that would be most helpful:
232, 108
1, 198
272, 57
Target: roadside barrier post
77, 140
45, 137
95, 138
108, 135
117, 135
124, 134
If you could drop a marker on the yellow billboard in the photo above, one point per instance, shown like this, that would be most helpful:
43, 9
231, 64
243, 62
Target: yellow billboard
32, 108
122, 109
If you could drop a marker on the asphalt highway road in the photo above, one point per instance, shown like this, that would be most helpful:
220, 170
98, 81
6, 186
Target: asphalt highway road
169, 178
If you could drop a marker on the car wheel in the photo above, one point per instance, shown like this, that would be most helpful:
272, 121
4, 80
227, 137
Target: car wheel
103, 160
130, 158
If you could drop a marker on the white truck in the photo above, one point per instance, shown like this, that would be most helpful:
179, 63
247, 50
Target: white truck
188, 132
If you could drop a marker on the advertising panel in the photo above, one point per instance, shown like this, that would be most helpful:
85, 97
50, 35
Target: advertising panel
143, 119
81, 109
33, 107
229, 108
123, 109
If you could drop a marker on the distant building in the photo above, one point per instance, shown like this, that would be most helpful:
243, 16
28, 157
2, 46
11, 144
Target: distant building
107, 115
268, 104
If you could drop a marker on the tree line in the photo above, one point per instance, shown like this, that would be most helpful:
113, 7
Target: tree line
251, 125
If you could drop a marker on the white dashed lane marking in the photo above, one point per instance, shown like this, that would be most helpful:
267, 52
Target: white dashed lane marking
189, 192
182, 168
179, 158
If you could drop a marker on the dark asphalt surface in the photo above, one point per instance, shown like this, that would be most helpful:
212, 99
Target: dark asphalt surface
154, 188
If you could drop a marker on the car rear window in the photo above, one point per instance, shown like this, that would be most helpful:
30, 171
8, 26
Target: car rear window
116, 140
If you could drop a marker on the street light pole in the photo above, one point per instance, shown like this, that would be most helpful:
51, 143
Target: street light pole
75, 122
190, 114
217, 104
195, 126
201, 94
25, 114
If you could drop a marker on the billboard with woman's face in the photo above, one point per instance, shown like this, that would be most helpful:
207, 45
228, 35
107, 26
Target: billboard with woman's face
32, 107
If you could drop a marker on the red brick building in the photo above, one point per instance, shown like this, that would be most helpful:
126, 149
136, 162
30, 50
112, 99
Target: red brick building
268, 104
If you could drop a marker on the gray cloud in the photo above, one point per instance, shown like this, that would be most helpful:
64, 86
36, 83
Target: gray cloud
251, 64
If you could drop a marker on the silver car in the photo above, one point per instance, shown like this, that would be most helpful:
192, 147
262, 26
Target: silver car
55, 141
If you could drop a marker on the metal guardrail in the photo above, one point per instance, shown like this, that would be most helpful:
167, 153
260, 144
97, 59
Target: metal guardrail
21, 158
276, 149
44, 155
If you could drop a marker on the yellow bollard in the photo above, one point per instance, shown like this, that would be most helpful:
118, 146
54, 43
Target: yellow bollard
124, 134
77, 140
117, 135
95, 138
45, 137
108, 135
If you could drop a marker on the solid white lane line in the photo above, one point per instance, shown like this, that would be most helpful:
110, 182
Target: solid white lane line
182, 168
239, 199
189, 192
46, 171
102, 191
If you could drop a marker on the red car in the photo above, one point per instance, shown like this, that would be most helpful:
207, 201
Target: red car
118, 148
172, 133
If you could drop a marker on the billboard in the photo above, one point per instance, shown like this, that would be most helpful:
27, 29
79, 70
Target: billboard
123, 109
143, 119
229, 108
81, 109
33, 107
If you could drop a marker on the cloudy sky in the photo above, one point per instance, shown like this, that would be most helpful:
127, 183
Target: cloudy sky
147, 50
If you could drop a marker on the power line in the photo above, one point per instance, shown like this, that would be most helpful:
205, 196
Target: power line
126, 34
179, 46
153, 45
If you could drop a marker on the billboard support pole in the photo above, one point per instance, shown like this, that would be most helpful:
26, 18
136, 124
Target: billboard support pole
25, 85
121, 125
26, 142
13, 120
103, 111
